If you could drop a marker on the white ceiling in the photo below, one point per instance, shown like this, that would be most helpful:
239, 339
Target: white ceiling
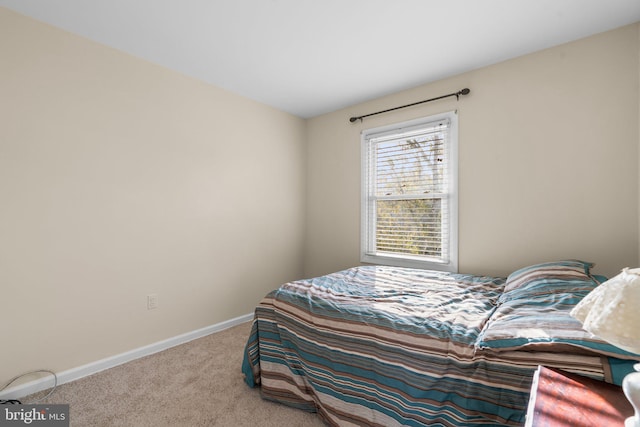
309, 57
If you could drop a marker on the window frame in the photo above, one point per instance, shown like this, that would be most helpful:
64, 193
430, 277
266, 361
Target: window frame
367, 222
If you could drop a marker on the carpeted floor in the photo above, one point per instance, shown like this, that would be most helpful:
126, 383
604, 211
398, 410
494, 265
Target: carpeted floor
195, 384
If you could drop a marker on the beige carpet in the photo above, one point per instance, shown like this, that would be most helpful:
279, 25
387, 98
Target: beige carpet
195, 384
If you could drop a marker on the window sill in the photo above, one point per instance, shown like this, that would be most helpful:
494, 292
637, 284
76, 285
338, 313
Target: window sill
397, 261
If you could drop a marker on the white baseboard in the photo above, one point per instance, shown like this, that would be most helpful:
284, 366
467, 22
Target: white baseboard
73, 374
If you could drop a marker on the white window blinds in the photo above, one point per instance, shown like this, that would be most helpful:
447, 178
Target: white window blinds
407, 193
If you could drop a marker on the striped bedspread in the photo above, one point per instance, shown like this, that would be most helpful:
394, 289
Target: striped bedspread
387, 346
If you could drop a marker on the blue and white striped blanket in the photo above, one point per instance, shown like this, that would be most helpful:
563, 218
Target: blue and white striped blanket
387, 346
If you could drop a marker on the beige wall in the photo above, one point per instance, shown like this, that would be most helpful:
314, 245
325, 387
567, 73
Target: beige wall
548, 153
118, 179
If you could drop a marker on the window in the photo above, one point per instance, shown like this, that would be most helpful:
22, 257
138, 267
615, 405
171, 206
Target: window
409, 194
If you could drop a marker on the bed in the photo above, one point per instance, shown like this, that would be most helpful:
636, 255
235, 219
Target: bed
388, 346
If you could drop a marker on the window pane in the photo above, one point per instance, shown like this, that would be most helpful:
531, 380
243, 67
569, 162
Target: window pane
411, 166
409, 226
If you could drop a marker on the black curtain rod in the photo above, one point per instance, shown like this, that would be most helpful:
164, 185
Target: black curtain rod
457, 94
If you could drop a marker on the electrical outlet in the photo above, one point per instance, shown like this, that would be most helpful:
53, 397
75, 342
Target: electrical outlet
152, 301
